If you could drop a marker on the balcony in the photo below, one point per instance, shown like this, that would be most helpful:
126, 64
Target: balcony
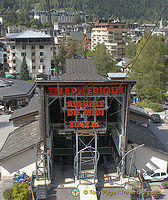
42, 57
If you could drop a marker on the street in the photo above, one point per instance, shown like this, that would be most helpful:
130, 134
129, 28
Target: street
160, 130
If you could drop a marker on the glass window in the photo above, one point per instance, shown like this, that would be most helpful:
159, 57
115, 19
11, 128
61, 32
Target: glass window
157, 174
163, 174
41, 60
23, 54
41, 53
33, 47
33, 67
13, 47
33, 54
41, 47
44, 67
23, 47
33, 61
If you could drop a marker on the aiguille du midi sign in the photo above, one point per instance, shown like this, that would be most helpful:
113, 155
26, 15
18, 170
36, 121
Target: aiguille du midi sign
91, 107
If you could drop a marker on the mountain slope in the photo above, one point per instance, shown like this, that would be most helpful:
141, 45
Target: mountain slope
126, 9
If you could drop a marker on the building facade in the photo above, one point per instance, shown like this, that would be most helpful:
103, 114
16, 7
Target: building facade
35, 46
112, 34
58, 16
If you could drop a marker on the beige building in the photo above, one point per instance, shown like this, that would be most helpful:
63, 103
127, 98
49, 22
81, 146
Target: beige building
35, 46
112, 34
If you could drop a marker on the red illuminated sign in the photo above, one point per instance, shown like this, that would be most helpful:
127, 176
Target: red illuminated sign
91, 90
92, 104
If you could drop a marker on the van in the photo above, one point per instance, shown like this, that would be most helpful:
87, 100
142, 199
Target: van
155, 175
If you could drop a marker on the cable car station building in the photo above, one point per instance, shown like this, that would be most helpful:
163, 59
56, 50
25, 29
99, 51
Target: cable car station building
83, 120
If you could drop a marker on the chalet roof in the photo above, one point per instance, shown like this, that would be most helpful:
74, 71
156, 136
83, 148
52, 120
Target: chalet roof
21, 139
32, 108
142, 135
13, 88
27, 34
81, 70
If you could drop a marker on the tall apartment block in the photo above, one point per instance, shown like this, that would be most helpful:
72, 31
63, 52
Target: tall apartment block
112, 34
35, 46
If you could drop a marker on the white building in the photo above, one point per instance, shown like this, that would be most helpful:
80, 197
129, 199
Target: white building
112, 34
35, 46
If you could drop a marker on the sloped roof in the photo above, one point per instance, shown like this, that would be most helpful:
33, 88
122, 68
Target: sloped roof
16, 88
143, 135
138, 110
81, 70
32, 108
21, 139
27, 34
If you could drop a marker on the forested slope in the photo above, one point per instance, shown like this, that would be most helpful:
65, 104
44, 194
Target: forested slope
125, 9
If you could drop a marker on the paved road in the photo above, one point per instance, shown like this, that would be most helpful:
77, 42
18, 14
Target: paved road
161, 132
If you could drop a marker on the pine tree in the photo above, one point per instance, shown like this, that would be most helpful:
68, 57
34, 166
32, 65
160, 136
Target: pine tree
24, 72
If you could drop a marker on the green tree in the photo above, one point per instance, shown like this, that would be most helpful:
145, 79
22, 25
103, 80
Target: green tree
24, 72
104, 63
130, 50
150, 69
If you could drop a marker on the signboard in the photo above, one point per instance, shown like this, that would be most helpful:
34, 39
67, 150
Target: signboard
83, 90
85, 107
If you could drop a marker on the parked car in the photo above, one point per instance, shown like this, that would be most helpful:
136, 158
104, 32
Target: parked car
165, 106
155, 118
155, 175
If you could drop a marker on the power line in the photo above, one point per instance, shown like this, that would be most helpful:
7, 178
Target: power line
139, 53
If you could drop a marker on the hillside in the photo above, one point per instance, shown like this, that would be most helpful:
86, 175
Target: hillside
125, 9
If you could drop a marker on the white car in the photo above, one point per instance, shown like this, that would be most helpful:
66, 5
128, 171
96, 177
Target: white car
155, 175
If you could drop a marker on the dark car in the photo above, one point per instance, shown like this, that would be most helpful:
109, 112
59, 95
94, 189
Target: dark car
155, 118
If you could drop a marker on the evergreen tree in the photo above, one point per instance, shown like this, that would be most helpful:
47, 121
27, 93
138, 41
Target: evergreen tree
24, 72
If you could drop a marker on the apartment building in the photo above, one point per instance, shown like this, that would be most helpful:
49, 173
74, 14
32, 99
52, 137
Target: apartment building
58, 16
35, 46
16, 29
112, 34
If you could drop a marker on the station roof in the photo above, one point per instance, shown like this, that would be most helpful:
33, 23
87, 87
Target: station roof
20, 140
10, 88
83, 70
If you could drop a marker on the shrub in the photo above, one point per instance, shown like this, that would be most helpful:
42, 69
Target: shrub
8, 194
20, 192
156, 107
165, 184
17, 192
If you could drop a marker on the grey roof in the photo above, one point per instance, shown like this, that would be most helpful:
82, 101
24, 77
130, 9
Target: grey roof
143, 135
138, 110
81, 70
27, 34
32, 108
21, 139
76, 35
16, 88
